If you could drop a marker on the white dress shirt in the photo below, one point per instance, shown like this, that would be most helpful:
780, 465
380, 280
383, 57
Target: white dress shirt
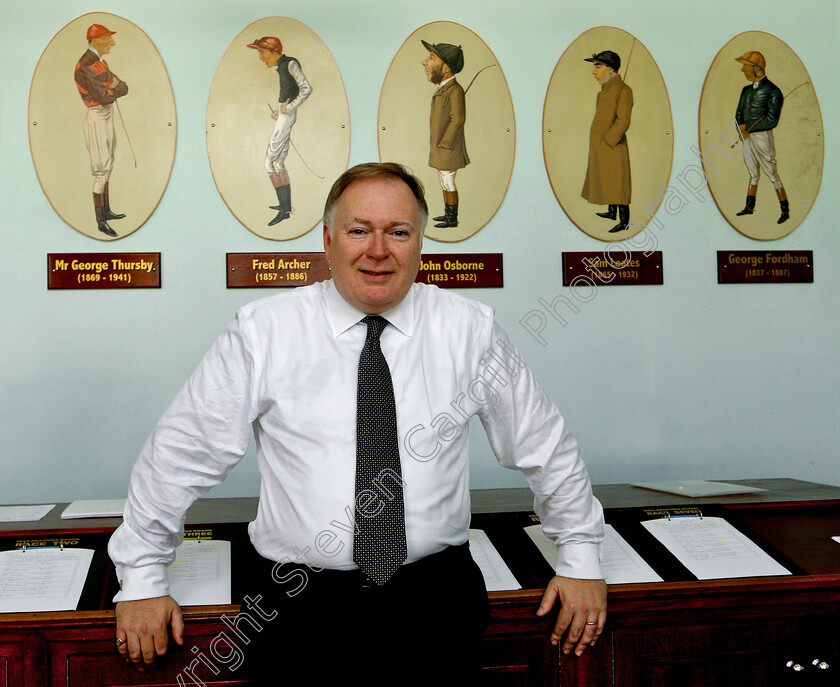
287, 368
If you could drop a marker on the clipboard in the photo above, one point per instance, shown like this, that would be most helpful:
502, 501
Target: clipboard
93, 566
673, 567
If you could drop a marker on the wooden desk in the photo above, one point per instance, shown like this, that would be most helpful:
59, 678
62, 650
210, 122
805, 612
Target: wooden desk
674, 634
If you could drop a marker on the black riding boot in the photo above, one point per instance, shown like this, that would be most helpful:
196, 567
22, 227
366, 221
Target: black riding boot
107, 213
284, 204
623, 219
101, 220
610, 213
749, 208
785, 216
450, 217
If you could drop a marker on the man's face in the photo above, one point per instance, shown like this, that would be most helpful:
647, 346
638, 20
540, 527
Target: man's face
103, 44
434, 68
749, 72
602, 73
374, 249
269, 57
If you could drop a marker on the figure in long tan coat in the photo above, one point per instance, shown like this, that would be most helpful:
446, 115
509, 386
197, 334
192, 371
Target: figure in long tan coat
608, 173
447, 144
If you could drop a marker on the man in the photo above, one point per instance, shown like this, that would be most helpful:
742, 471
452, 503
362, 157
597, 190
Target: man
608, 173
759, 109
294, 90
295, 366
447, 146
100, 88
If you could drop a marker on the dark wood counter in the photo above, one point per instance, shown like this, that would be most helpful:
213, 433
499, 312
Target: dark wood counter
675, 633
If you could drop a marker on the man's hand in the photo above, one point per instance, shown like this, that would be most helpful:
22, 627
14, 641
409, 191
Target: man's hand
742, 131
284, 105
143, 629
583, 611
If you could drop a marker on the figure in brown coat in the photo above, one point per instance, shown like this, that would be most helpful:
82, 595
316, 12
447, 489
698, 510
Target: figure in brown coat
447, 146
608, 173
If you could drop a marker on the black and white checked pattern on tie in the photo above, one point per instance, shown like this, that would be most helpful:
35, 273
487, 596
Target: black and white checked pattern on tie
379, 545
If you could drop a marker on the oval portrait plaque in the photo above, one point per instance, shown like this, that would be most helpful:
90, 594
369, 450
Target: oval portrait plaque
446, 113
761, 136
608, 137
278, 127
102, 125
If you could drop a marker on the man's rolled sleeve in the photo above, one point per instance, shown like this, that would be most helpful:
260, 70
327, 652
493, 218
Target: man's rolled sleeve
528, 433
201, 437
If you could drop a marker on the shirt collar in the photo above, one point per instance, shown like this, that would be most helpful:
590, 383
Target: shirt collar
755, 83
341, 315
444, 82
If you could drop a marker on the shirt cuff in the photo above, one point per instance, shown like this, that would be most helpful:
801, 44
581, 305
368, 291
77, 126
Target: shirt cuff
147, 582
579, 561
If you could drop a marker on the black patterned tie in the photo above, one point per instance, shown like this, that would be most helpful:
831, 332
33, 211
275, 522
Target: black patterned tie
379, 545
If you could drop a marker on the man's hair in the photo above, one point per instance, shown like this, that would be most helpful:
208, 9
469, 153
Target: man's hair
375, 170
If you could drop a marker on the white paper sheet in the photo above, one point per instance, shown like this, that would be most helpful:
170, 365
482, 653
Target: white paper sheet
42, 579
24, 513
620, 562
200, 574
547, 547
103, 508
497, 576
694, 488
712, 549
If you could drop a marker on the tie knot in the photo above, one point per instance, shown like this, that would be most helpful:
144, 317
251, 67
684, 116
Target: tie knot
375, 325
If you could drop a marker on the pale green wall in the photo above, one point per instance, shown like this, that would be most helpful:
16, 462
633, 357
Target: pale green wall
689, 379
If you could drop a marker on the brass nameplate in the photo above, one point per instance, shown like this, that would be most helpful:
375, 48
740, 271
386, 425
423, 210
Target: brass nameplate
612, 268
462, 270
103, 271
457, 270
254, 270
765, 266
